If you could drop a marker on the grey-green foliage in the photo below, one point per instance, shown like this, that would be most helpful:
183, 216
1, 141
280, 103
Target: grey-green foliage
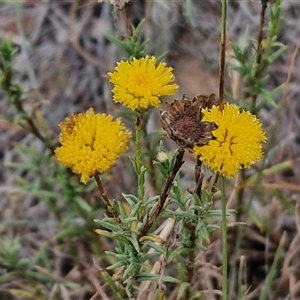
253, 60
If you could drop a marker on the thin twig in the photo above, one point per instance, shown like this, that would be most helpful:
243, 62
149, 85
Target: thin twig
164, 195
213, 187
104, 195
222, 55
224, 242
138, 158
221, 107
198, 177
259, 45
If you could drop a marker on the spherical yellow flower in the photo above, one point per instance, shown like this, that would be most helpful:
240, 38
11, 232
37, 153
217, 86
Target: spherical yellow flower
91, 143
139, 83
236, 142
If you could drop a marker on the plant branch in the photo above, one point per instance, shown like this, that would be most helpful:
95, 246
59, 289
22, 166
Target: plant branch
222, 55
224, 242
164, 195
198, 177
259, 51
104, 195
138, 158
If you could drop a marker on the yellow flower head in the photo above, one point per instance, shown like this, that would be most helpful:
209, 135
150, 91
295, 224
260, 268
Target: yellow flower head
91, 143
139, 83
236, 142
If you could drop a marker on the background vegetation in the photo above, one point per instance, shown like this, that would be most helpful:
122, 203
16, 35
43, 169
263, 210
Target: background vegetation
48, 247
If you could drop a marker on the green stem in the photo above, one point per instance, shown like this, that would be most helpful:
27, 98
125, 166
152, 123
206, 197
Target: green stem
221, 106
260, 50
117, 291
139, 168
138, 150
274, 269
138, 158
224, 242
222, 54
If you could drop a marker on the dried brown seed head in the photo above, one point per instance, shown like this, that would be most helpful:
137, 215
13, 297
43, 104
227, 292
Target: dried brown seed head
182, 121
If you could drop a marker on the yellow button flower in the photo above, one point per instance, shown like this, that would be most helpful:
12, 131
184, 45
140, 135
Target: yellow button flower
91, 143
236, 142
139, 83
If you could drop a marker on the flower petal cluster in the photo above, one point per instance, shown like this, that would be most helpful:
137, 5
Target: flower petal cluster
236, 142
91, 143
139, 83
